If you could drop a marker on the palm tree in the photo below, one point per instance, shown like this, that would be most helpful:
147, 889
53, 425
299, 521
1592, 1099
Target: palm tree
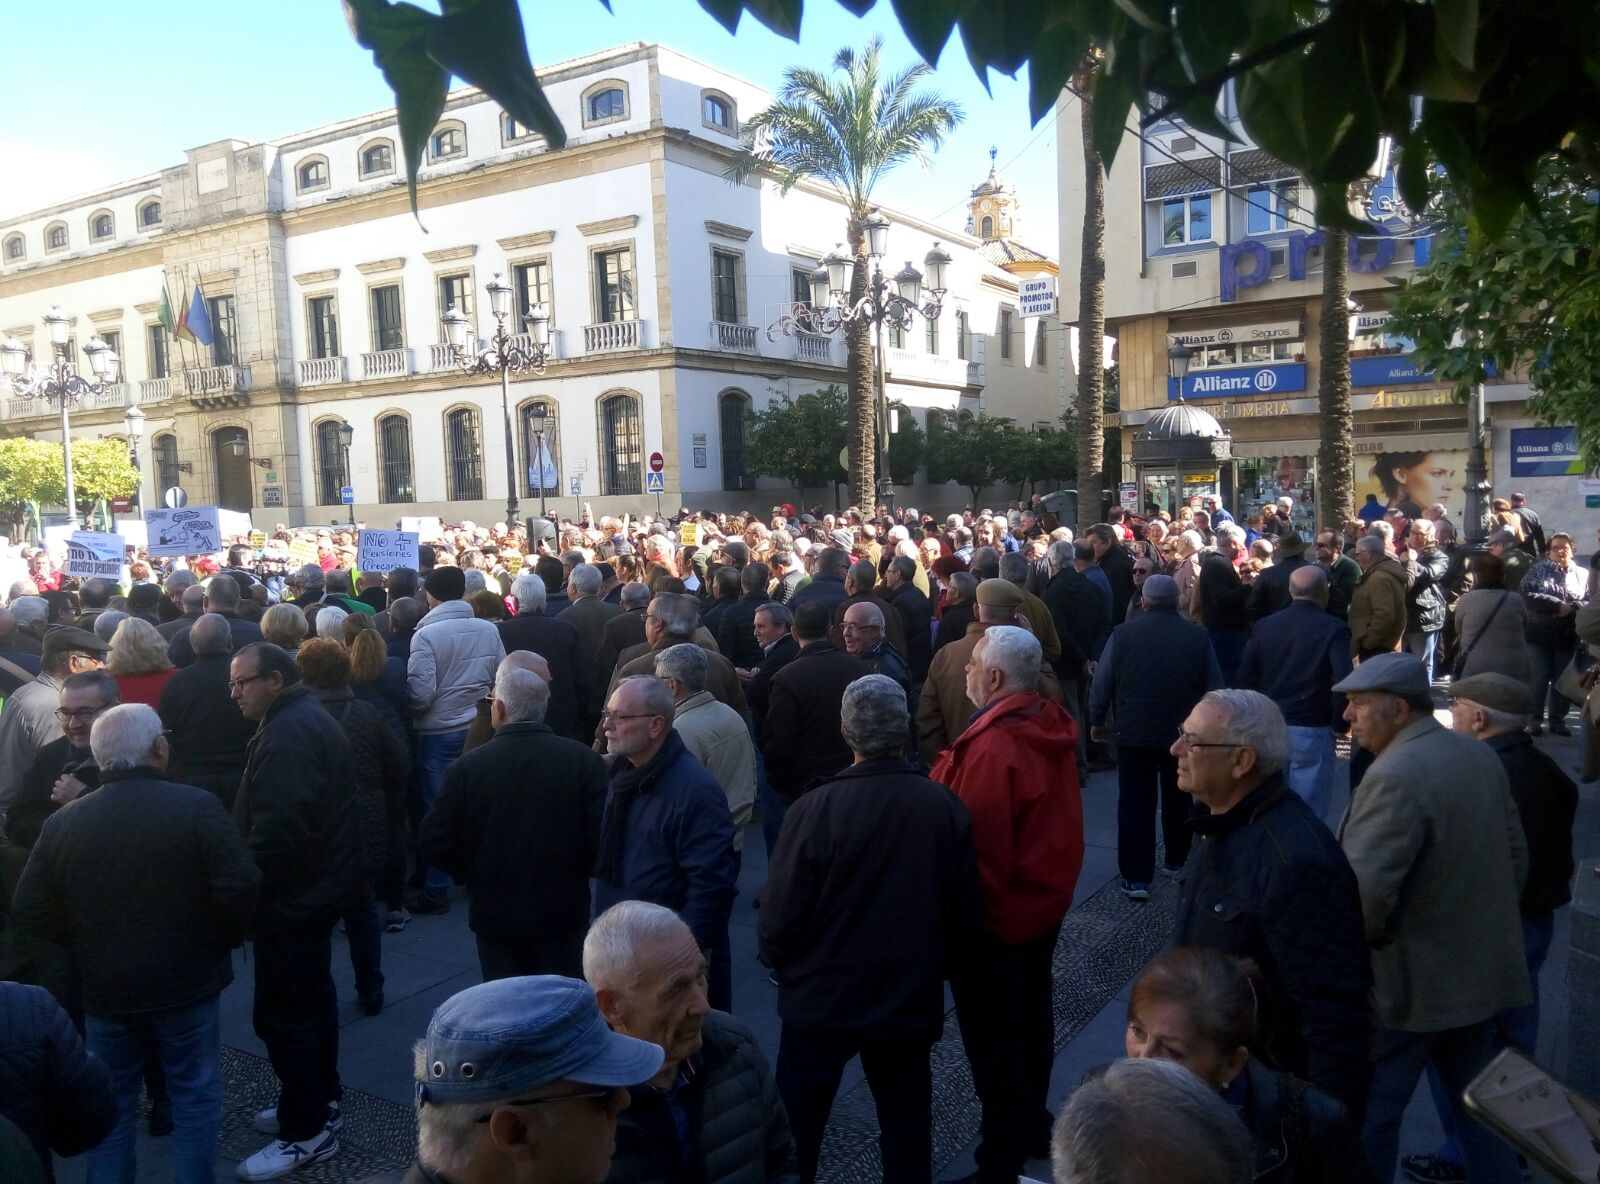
1091, 312
1336, 493
848, 132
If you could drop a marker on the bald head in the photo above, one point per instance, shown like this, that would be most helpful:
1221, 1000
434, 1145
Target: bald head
193, 600
1309, 583
211, 635
527, 660
864, 613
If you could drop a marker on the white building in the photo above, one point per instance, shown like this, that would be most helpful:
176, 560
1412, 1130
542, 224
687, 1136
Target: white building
662, 279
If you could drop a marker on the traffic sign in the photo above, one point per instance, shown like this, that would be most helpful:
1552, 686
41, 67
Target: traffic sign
347, 495
121, 505
657, 462
175, 498
577, 487
655, 483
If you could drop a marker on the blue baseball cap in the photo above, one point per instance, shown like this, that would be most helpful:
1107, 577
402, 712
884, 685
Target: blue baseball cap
506, 1037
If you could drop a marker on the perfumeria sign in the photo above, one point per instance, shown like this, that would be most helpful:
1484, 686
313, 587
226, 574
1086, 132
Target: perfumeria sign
1250, 380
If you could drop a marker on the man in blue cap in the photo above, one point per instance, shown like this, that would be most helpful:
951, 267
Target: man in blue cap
519, 1081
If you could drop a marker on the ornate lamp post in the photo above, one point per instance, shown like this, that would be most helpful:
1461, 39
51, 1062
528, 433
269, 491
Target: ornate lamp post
1178, 359
506, 353
897, 305
347, 434
59, 380
539, 413
133, 420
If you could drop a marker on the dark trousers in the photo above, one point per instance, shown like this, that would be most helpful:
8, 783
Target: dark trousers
365, 937
297, 1017
547, 953
1003, 993
1143, 775
810, 1064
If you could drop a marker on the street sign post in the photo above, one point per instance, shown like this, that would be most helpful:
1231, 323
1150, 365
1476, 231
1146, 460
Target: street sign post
175, 498
657, 462
347, 495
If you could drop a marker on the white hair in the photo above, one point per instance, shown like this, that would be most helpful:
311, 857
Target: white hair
1014, 652
330, 622
905, 549
124, 736
586, 579
30, 610
1231, 532
610, 950
521, 693
473, 581
528, 591
1253, 721
446, 1132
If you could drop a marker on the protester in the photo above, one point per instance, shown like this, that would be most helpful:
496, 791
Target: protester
800, 737
559, 643
29, 720
209, 734
715, 733
138, 661
1378, 612
64, 769
222, 598
1554, 589
1221, 600
673, 619
55, 1094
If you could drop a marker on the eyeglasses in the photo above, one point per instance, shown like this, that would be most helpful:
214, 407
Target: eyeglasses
83, 715
1187, 741
607, 716
238, 684
608, 1093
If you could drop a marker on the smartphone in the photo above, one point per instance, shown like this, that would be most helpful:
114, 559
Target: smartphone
1544, 1120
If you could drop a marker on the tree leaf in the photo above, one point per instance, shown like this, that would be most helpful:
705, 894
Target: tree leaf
1109, 106
397, 35
781, 16
927, 25
1456, 30
482, 41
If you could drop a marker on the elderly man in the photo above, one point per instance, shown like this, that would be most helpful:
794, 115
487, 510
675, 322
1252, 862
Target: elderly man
521, 1080
774, 631
296, 813
1293, 658
861, 581
1343, 572
18, 667
715, 733
221, 598
1426, 565
711, 1113
1378, 605
1503, 544
864, 640
621, 632
588, 613
960, 609
171, 606
800, 736
192, 601
207, 731
154, 966
1268, 882
1059, 652
1447, 949
674, 619
518, 822
1015, 768
573, 709
827, 580
65, 768
667, 834
1154, 670
915, 611
306, 585
29, 720
1113, 560
871, 893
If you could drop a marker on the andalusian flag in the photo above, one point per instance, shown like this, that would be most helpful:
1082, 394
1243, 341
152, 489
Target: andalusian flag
168, 321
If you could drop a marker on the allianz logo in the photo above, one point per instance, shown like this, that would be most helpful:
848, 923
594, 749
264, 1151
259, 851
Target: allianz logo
1217, 384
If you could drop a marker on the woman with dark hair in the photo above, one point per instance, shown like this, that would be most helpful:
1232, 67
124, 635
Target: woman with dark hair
1198, 1007
1491, 622
1554, 589
1413, 481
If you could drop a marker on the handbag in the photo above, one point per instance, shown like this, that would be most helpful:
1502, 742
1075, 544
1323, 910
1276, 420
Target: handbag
1568, 684
1466, 650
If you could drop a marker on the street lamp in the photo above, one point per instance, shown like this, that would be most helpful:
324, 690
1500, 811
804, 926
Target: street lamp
133, 419
59, 380
347, 434
898, 302
539, 413
239, 448
1178, 358
506, 353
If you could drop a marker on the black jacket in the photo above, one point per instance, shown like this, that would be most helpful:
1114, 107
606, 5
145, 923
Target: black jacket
1294, 657
1220, 597
52, 1088
518, 821
1302, 1134
736, 636
1268, 881
1547, 803
33, 804
916, 617
380, 765
1079, 611
1270, 592
894, 628
884, 659
571, 676
1425, 606
871, 894
953, 622
149, 885
297, 814
827, 591
1118, 566
208, 733
243, 632
800, 734
758, 691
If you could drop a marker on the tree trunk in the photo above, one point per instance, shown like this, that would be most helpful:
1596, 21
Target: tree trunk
1336, 488
863, 398
1091, 321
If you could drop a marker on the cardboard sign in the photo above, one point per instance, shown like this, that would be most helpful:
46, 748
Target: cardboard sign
258, 539
514, 563
91, 554
423, 528
193, 531
689, 534
385, 550
302, 552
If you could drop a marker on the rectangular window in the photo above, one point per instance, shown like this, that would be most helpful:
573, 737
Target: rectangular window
897, 336
1038, 343
387, 332
725, 287
1186, 220
224, 331
1267, 207
613, 285
800, 286
155, 344
930, 334
1006, 318
455, 291
113, 341
961, 336
532, 281
324, 327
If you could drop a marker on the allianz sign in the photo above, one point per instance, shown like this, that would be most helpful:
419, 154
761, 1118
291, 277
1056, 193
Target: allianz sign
1259, 380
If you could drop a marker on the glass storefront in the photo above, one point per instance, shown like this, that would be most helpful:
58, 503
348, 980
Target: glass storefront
1262, 480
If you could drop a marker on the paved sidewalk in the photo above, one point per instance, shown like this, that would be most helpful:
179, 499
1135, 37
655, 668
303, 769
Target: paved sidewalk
1105, 941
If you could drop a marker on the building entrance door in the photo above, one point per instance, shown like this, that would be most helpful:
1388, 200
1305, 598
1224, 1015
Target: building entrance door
230, 450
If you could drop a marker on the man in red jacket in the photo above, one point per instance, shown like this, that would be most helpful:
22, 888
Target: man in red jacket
1015, 767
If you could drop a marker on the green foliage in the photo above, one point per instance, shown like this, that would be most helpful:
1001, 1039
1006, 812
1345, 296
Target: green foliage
906, 448
979, 452
30, 471
1054, 457
101, 470
799, 441
1529, 301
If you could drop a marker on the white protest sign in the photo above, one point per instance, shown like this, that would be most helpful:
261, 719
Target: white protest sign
91, 554
234, 524
385, 550
423, 528
1037, 296
133, 532
192, 531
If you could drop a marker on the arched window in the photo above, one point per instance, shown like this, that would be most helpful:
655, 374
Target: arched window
395, 480
716, 111
463, 455
541, 469
732, 409
312, 174
165, 450
988, 228
330, 463
606, 103
150, 214
16, 248
513, 131
55, 236
448, 141
101, 226
621, 446
377, 158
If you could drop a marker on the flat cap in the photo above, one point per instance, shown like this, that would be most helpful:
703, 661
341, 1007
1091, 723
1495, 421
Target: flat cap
1498, 692
1397, 674
71, 640
1161, 588
999, 593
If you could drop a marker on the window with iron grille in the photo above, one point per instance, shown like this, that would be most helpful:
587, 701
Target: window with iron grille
101, 227
897, 336
463, 455
155, 346
621, 447
150, 214
224, 331
387, 331
613, 285
395, 480
164, 449
324, 327
725, 286
532, 281
734, 407
330, 463
56, 238
535, 466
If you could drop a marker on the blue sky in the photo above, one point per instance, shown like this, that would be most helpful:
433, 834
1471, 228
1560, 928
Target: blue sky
132, 85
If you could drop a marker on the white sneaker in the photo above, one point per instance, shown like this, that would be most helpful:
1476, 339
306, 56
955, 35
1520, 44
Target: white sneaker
266, 1121
279, 1158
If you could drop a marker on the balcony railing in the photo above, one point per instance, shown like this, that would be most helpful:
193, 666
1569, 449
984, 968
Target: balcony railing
740, 338
322, 371
216, 380
157, 390
387, 363
813, 347
441, 357
22, 408
611, 335
114, 396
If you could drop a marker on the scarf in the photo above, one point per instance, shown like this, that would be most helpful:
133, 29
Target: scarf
627, 782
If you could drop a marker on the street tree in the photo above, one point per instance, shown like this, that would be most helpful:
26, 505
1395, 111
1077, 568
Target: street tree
1336, 480
101, 471
1091, 313
30, 475
799, 440
978, 452
907, 447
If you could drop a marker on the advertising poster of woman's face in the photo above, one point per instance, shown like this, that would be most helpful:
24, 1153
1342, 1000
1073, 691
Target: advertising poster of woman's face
1413, 481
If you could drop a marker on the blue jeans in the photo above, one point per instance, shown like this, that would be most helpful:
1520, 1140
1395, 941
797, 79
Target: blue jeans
772, 810
190, 1044
1424, 646
1310, 770
436, 751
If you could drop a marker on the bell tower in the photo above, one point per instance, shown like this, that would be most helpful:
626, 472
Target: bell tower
993, 207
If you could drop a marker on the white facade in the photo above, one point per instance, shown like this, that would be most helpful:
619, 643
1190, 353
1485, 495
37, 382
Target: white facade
661, 277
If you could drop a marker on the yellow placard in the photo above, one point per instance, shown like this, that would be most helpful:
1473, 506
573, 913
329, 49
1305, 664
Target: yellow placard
689, 534
302, 552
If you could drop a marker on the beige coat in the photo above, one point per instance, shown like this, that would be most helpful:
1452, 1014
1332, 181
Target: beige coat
1378, 608
1490, 625
1438, 850
720, 740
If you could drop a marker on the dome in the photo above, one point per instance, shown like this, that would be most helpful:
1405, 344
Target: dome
991, 184
1181, 421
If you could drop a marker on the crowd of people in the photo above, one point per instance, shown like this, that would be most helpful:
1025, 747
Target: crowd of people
578, 722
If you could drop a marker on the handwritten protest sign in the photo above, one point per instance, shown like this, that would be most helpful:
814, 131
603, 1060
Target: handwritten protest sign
689, 534
426, 527
258, 539
194, 531
302, 552
385, 550
91, 554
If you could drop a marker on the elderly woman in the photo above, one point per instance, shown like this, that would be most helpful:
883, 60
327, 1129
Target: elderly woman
329, 622
1186, 549
139, 661
1554, 589
284, 626
1198, 1007
1491, 625
380, 770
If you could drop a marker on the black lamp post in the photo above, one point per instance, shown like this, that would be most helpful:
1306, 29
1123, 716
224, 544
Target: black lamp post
347, 434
